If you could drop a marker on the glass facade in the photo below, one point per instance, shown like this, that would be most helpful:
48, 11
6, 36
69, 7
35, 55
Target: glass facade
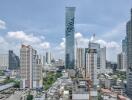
129, 56
14, 62
124, 45
69, 35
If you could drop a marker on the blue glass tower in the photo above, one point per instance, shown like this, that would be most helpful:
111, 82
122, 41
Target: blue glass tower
129, 56
69, 35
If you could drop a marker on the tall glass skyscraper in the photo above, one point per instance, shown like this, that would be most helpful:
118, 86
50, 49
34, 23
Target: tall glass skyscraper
14, 61
69, 35
129, 56
124, 45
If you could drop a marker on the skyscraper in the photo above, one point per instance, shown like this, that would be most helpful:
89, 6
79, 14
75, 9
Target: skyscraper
103, 59
94, 45
69, 35
4, 61
9, 61
124, 45
48, 57
122, 61
80, 59
43, 58
14, 61
119, 61
91, 65
129, 56
30, 68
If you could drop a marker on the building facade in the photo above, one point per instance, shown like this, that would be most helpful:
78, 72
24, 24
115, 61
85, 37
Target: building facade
80, 59
94, 45
30, 68
91, 66
69, 35
4, 61
122, 61
14, 61
129, 55
124, 45
9, 61
49, 57
103, 59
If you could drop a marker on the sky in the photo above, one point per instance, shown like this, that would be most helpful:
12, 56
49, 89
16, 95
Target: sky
41, 23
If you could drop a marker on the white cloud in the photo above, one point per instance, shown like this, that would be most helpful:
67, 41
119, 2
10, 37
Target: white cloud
112, 46
20, 35
78, 35
29, 39
45, 45
81, 41
61, 45
2, 24
4, 45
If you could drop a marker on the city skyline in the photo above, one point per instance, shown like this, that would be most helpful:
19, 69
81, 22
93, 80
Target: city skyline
66, 50
37, 25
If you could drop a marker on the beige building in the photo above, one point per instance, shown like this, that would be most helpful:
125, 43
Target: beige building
80, 59
91, 65
4, 61
30, 68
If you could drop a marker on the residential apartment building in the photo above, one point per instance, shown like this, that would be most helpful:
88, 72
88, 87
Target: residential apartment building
30, 68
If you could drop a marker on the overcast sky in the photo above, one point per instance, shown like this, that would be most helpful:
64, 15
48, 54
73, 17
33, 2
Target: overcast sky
41, 23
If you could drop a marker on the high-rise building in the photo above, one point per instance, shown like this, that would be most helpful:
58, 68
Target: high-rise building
103, 59
93, 45
122, 61
80, 58
4, 61
91, 65
69, 35
9, 61
30, 68
48, 57
119, 61
43, 58
14, 62
129, 56
124, 53
124, 45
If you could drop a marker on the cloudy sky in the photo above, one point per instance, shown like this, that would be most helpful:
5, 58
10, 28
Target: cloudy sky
41, 23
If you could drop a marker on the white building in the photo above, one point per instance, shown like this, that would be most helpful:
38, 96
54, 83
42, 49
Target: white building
4, 61
58, 63
122, 61
49, 57
80, 59
91, 65
43, 59
103, 60
101, 56
30, 68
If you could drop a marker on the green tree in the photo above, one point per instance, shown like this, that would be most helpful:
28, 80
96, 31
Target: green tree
29, 96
